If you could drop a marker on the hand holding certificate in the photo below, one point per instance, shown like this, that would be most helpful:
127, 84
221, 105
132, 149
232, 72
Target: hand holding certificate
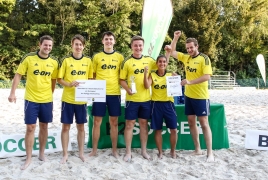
89, 89
174, 86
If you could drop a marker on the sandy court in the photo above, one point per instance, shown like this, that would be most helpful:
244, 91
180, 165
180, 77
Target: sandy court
244, 109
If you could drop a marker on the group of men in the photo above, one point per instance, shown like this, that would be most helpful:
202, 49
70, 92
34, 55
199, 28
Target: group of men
43, 70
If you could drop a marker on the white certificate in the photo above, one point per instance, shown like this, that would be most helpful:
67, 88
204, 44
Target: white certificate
174, 85
91, 90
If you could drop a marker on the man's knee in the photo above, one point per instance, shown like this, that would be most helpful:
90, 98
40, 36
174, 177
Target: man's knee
97, 121
80, 127
43, 126
114, 121
173, 131
30, 128
129, 124
65, 127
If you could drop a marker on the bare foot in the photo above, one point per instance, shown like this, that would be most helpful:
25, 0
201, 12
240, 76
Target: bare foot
42, 158
82, 157
160, 155
127, 157
173, 155
146, 156
26, 164
197, 153
115, 154
92, 153
64, 159
210, 158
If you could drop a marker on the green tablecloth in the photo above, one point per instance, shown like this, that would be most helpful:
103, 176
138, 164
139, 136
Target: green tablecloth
217, 122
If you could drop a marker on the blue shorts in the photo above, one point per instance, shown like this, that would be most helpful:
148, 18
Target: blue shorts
68, 111
134, 110
113, 103
198, 107
163, 110
42, 111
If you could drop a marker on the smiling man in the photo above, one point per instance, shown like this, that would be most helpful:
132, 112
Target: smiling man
106, 65
74, 67
41, 70
138, 98
198, 71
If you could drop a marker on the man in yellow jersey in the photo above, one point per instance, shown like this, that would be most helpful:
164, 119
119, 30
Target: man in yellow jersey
162, 105
41, 70
137, 96
106, 65
74, 67
198, 71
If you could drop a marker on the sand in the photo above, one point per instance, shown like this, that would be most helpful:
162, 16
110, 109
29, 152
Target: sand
244, 109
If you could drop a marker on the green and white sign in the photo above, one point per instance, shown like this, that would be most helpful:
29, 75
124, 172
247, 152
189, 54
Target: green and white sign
14, 145
217, 122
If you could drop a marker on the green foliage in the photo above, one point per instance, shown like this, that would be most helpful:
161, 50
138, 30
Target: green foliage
232, 33
199, 19
8, 84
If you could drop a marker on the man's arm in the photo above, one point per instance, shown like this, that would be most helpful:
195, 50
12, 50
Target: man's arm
53, 84
15, 82
123, 83
201, 79
147, 81
94, 75
176, 37
64, 83
167, 52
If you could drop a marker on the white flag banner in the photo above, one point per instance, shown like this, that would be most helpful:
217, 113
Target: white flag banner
156, 18
261, 63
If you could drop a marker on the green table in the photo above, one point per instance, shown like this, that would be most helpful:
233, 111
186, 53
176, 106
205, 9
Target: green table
217, 122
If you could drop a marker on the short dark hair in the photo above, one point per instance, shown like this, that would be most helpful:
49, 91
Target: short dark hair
161, 56
189, 40
135, 38
45, 37
108, 33
79, 37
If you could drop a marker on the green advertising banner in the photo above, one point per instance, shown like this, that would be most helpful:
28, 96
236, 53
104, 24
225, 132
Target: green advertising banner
156, 18
217, 122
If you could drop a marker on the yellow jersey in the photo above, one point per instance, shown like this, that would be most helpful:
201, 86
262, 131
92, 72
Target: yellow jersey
159, 87
196, 67
39, 73
73, 69
134, 68
106, 66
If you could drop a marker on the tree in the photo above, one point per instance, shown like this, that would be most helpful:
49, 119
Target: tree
198, 19
244, 34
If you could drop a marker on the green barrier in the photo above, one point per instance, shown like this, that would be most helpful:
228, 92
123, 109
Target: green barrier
217, 122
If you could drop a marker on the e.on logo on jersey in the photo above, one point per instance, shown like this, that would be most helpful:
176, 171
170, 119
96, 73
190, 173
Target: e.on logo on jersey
74, 72
41, 73
105, 66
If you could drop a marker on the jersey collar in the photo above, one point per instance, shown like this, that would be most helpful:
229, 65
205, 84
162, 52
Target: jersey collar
107, 52
78, 58
136, 58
